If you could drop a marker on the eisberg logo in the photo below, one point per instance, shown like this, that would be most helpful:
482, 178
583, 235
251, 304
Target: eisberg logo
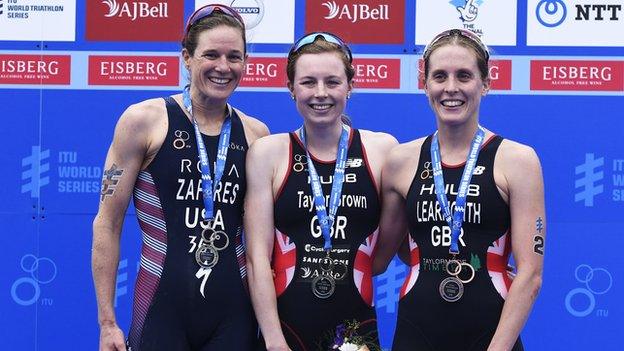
551, 13
42, 271
468, 9
356, 12
134, 70
597, 281
136, 9
252, 11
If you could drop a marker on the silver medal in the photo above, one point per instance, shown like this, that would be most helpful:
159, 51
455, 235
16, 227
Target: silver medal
206, 256
323, 286
451, 289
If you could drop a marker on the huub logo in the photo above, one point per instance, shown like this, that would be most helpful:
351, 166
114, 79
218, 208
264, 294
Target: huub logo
356, 12
136, 9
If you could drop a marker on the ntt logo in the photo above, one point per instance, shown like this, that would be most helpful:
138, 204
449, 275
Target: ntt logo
551, 13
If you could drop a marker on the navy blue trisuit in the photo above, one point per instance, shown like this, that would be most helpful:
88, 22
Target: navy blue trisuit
425, 320
309, 322
177, 304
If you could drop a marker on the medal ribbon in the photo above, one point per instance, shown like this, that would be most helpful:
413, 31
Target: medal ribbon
455, 219
326, 221
208, 185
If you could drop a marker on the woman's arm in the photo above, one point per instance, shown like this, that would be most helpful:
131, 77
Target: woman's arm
259, 236
524, 184
393, 222
123, 162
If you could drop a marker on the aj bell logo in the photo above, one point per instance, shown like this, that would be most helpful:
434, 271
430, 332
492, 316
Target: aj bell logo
136, 9
468, 9
356, 11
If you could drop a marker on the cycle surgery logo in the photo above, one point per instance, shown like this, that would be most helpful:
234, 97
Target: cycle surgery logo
26, 291
596, 281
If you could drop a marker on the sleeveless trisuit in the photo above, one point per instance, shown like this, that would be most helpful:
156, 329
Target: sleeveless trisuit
308, 322
177, 304
426, 321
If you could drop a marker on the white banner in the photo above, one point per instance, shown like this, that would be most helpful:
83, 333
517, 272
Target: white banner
493, 20
575, 23
267, 22
38, 20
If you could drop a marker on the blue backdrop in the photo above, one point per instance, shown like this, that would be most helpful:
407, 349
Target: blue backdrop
54, 142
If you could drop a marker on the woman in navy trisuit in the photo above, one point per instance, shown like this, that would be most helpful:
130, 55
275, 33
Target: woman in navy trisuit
312, 210
467, 199
190, 292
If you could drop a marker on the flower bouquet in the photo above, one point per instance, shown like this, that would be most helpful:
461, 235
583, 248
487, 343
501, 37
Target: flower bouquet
347, 338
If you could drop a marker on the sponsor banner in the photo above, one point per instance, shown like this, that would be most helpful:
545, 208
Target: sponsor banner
134, 70
494, 21
35, 69
575, 23
38, 20
358, 21
271, 21
267, 72
500, 74
127, 20
577, 75
377, 73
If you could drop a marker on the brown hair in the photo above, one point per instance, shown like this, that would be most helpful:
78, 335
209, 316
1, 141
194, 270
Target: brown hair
318, 46
456, 37
215, 19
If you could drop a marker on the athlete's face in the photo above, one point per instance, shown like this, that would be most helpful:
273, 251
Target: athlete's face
320, 87
217, 65
454, 85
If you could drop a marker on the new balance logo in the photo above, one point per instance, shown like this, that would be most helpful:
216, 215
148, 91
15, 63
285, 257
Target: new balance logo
353, 163
34, 173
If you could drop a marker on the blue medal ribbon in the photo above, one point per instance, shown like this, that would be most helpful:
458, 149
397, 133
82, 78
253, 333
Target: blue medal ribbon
455, 219
326, 221
208, 185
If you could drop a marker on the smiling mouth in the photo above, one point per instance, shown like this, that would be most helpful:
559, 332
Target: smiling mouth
452, 103
320, 107
220, 81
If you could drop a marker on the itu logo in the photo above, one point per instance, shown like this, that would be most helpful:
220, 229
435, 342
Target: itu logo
34, 173
252, 11
551, 13
26, 290
468, 9
591, 174
597, 281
